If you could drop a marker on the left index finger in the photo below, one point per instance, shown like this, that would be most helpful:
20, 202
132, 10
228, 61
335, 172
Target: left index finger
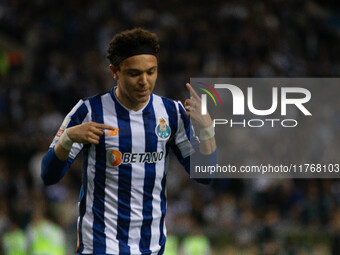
192, 91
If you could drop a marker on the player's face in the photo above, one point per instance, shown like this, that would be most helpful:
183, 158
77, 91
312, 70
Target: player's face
136, 80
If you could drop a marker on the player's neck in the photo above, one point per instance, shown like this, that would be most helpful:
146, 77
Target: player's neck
127, 103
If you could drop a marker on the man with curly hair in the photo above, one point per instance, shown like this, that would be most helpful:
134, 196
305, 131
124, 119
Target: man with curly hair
125, 136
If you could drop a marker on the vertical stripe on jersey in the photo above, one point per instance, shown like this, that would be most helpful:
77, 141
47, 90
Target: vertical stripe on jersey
82, 201
185, 120
99, 237
111, 185
162, 237
161, 251
151, 141
171, 110
124, 182
137, 181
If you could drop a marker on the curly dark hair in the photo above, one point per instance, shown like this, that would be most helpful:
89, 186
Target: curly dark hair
123, 42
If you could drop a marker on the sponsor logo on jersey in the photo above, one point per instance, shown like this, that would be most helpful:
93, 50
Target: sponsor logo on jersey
118, 158
163, 130
113, 132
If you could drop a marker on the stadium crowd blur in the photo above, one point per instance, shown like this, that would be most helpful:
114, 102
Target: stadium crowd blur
52, 53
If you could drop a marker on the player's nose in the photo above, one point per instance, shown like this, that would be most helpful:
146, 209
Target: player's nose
142, 79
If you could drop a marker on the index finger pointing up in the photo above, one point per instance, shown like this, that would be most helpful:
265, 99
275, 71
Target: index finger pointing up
192, 91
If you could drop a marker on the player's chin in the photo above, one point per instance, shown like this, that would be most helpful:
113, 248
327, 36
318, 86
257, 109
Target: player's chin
143, 100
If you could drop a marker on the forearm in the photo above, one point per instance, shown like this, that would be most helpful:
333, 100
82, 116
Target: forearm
56, 161
61, 152
55, 164
207, 155
63, 146
208, 146
52, 168
207, 138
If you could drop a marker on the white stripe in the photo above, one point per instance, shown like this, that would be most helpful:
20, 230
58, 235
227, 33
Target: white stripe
160, 112
87, 223
181, 134
88, 217
111, 181
137, 181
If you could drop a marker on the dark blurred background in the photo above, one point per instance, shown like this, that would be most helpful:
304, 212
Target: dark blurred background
53, 53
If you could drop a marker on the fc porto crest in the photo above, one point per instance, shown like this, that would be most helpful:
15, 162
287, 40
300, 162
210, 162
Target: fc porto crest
163, 130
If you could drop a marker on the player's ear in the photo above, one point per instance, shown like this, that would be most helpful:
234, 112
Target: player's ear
114, 71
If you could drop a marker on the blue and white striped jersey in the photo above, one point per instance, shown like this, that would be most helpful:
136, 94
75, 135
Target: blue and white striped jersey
122, 202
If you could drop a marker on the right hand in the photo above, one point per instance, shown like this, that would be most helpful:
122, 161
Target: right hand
88, 132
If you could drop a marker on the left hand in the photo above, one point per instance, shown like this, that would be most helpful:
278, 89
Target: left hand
193, 106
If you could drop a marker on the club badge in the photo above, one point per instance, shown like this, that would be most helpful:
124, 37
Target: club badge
163, 130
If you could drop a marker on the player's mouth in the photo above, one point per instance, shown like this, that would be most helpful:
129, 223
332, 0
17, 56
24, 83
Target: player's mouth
142, 92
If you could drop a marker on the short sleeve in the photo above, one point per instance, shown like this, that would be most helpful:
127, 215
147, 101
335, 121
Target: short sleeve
78, 115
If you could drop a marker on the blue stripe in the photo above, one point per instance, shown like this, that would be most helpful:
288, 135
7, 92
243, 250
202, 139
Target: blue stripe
171, 110
151, 141
161, 251
79, 116
82, 199
162, 237
99, 236
173, 122
124, 181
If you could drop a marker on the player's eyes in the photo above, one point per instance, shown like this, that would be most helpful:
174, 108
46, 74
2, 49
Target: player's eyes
152, 71
133, 74
137, 73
